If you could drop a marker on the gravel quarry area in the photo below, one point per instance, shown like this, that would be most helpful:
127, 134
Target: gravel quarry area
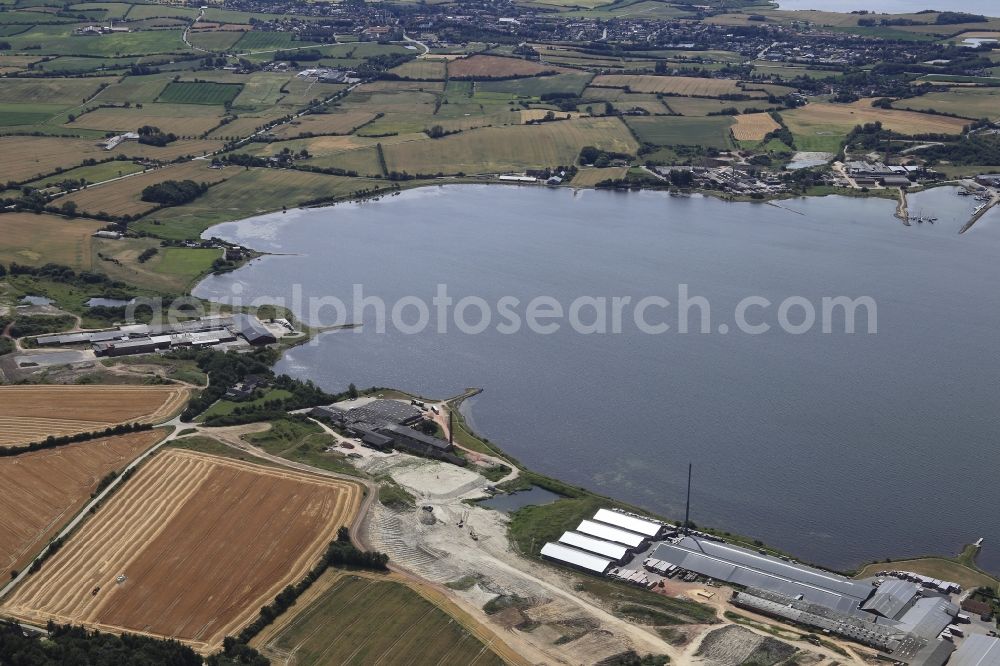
534, 607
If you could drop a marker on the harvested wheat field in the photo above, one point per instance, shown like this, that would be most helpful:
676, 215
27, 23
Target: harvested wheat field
846, 116
496, 67
32, 413
753, 126
203, 542
124, 197
42, 490
672, 85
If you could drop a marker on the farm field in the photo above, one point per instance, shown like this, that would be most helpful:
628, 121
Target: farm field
712, 131
753, 126
44, 489
214, 40
29, 157
536, 86
967, 102
821, 126
180, 119
257, 40
124, 197
171, 269
39, 239
589, 176
499, 149
201, 92
674, 85
325, 123
26, 413
700, 106
429, 70
485, 67
69, 92
203, 543
377, 620
250, 193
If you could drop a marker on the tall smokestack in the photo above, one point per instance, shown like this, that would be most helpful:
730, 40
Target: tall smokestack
687, 508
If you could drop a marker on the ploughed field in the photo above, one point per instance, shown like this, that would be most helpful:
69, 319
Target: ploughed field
202, 542
42, 490
32, 413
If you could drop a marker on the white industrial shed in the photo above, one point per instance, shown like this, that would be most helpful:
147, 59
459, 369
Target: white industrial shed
609, 533
614, 551
647, 528
577, 558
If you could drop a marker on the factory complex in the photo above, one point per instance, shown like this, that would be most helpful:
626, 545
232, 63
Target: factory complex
908, 618
223, 331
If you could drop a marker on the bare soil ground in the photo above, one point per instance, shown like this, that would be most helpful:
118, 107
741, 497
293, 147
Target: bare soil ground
33, 412
202, 542
42, 490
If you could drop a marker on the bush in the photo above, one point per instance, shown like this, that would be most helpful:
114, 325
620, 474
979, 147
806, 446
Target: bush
174, 192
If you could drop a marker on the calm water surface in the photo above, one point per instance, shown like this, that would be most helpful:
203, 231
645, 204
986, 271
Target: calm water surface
838, 448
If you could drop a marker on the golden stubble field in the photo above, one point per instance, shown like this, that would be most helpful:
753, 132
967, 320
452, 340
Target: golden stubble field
202, 543
42, 490
753, 126
31, 413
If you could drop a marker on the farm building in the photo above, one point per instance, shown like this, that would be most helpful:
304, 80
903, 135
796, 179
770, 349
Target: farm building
892, 597
416, 441
618, 553
576, 558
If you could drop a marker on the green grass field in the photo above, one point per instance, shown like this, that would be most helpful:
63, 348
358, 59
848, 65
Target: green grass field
537, 86
966, 102
712, 131
226, 407
246, 194
257, 40
201, 92
365, 621
60, 40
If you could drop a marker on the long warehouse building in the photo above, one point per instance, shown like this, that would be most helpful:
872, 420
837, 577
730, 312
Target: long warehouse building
647, 528
740, 566
616, 552
609, 533
576, 558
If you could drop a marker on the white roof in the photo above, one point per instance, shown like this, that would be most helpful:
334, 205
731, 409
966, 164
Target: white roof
605, 548
578, 558
609, 533
645, 527
977, 650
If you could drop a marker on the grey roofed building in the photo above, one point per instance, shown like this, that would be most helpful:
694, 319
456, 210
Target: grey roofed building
935, 653
609, 533
928, 617
376, 440
892, 598
385, 412
645, 527
410, 438
250, 328
977, 650
614, 551
741, 566
576, 558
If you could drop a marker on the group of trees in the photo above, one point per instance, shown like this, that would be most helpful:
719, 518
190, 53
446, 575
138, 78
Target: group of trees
174, 192
52, 442
591, 155
153, 136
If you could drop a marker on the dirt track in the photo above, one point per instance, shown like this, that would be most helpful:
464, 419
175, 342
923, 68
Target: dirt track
42, 489
203, 542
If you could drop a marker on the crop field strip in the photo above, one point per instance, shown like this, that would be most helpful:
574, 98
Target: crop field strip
674, 85
199, 92
27, 414
482, 66
203, 541
42, 490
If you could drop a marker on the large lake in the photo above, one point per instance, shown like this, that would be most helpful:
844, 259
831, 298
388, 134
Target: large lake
839, 448
985, 7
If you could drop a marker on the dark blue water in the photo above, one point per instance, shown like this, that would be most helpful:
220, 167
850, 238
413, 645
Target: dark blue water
508, 502
838, 448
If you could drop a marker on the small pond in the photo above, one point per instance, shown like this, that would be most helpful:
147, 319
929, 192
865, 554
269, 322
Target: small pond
510, 502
